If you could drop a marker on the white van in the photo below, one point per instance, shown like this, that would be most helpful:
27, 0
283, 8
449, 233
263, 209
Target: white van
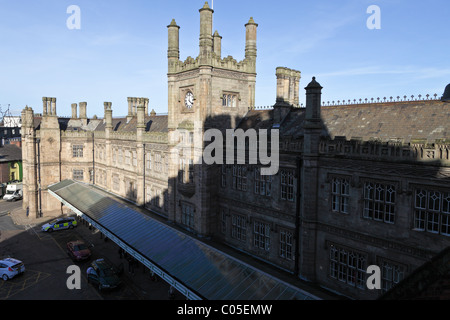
13, 192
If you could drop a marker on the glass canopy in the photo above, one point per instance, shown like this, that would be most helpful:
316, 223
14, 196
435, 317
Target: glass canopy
205, 271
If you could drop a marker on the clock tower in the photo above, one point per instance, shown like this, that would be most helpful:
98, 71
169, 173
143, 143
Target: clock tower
203, 93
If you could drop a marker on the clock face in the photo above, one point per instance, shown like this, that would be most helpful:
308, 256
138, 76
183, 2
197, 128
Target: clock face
189, 100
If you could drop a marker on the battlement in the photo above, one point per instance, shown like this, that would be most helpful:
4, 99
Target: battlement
211, 47
395, 150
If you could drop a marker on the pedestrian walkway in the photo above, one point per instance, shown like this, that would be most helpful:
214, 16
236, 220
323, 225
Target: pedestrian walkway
19, 216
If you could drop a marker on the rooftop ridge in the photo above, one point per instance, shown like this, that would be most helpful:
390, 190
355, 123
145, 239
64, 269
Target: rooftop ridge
382, 100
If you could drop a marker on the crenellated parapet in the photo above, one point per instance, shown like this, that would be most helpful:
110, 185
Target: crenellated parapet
232, 64
228, 63
395, 150
76, 134
186, 65
156, 137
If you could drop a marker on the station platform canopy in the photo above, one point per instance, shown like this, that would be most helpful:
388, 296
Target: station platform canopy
194, 268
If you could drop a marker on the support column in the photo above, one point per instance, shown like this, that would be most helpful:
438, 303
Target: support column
309, 182
140, 128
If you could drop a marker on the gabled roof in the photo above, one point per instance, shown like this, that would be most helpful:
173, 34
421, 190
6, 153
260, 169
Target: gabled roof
10, 152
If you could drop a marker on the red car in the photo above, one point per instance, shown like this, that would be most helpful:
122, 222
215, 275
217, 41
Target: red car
78, 250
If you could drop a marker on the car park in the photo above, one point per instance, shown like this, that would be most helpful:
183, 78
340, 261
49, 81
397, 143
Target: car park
103, 274
60, 224
78, 250
10, 267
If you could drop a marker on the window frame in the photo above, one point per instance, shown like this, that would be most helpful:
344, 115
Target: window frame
239, 227
431, 216
340, 201
261, 235
188, 215
378, 203
286, 248
77, 150
240, 177
77, 173
262, 184
347, 265
287, 184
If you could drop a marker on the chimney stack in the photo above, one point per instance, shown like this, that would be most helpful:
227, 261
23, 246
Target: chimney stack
217, 44
140, 112
53, 104
74, 111
108, 115
288, 81
45, 106
83, 112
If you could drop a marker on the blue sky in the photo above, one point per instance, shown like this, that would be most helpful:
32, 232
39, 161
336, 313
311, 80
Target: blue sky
121, 48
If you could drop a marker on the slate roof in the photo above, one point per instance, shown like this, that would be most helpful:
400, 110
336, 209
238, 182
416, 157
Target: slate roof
409, 120
406, 120
10, 152
152, 124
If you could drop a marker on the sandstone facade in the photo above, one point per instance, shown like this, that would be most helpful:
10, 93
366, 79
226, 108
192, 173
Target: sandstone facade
359, 184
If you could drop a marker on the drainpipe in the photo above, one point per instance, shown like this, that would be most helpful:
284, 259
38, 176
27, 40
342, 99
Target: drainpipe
93, 159
39, 175
297, 218
143, 184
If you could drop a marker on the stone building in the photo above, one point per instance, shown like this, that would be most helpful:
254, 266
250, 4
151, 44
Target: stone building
10, 163
359, 183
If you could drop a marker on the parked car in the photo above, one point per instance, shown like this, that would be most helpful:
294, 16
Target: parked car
10, 267
103, 274
60, 224
14, 192
16, 196
78, 250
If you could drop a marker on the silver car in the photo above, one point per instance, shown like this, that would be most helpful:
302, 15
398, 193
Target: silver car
9, 268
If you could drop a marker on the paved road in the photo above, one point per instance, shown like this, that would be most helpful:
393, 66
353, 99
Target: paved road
46, 262
6, 222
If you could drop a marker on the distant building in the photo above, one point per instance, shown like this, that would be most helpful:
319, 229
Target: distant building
12, 121
10, 163
10, 135
360, 183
